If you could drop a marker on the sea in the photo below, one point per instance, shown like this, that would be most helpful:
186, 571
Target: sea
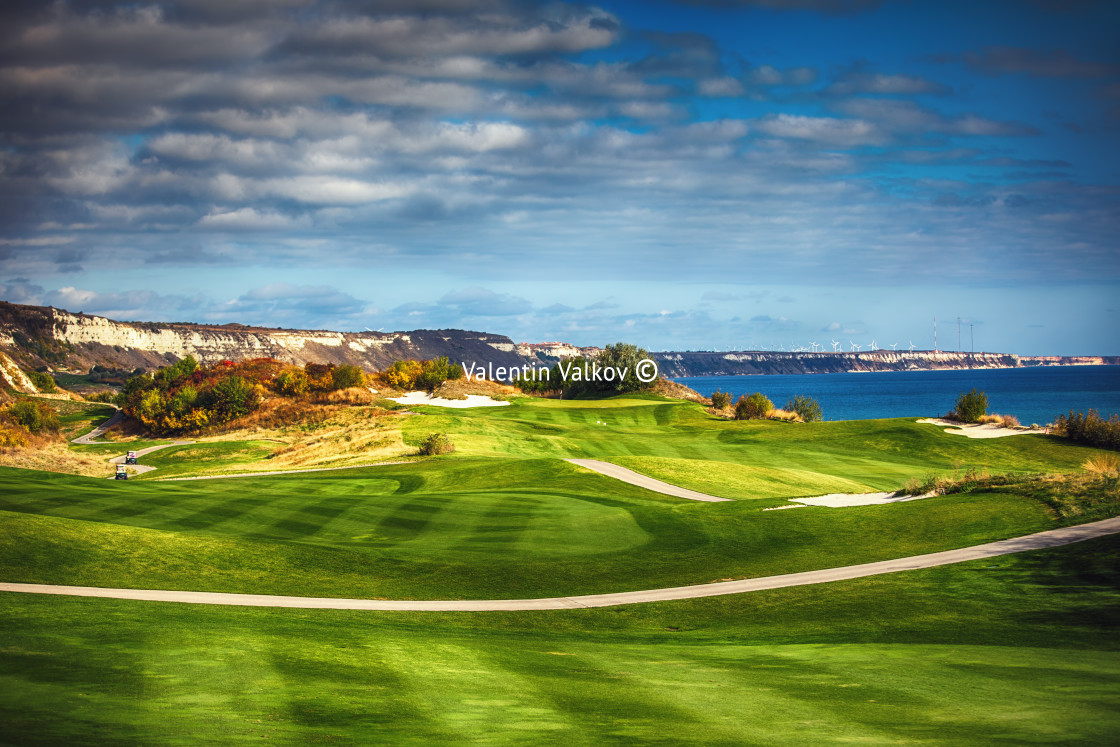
1033, 395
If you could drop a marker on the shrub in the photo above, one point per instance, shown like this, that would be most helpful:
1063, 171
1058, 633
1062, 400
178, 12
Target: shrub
436, 443
787, 416
346, 376
231, 398
34, 416
1089, 429
720, 400
752, 406
436, 371
291, 383
403, 374
42, 381
971, 406
806, 407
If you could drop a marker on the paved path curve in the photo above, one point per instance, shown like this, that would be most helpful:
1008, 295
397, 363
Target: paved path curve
637, 478
1050, 538
99, 430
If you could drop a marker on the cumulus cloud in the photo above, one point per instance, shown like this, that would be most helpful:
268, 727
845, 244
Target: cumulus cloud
476, 142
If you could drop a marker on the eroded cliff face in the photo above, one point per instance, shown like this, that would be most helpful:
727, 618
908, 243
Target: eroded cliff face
741, 363
64, 340
38, 336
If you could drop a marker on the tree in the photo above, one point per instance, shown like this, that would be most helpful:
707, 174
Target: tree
436, 371
971, 406
232, 397
403, 374
806, 407
33, 416
292, 383
346, 376
720, 400
752, 406
625, 357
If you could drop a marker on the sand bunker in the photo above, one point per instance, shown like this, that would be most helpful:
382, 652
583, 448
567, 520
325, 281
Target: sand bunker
472, 400
840, 500
975, 430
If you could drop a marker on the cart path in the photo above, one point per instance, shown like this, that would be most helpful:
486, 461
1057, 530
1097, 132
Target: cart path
1041, 540
642, 481
97, 432
140, 469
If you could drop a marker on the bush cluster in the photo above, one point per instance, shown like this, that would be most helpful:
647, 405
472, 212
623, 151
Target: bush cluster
579, 381
185, 397
427, 375
42, 381
33, 417
436, 443
1090, 429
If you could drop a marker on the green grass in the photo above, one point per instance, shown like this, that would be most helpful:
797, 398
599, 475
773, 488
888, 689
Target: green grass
485, 522
1011, 649
1014, 649
448, 528
213, 457
878, 454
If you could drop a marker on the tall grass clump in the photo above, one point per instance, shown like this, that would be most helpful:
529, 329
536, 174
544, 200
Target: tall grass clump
1090, 429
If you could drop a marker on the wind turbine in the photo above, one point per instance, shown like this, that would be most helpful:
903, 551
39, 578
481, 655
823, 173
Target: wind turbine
835, 346
854, 346
894, 346
911, 346
873, 346
813, 345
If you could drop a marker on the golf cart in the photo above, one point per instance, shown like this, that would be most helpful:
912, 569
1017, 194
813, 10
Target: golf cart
130, 458
122, 472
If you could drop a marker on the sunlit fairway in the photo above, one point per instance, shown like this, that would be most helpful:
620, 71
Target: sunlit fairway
1016, 648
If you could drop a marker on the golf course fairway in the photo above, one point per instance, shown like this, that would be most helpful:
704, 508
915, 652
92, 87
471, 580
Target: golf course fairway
1017, 648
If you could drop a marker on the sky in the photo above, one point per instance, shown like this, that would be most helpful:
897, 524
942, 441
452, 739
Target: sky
679, 174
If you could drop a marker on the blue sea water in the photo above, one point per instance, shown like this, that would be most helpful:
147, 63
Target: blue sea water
1034, 395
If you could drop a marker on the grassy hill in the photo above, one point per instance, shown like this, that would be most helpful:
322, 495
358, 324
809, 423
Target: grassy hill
1017, 648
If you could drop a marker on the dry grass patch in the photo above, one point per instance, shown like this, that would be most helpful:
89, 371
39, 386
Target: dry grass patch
667, 388
355, 395
314, 435
1003, 421
460, 388
54, 456
784, 415
1105, 465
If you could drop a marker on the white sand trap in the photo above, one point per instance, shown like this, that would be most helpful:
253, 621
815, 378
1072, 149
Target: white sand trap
472, 400
975, 430
841, 500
